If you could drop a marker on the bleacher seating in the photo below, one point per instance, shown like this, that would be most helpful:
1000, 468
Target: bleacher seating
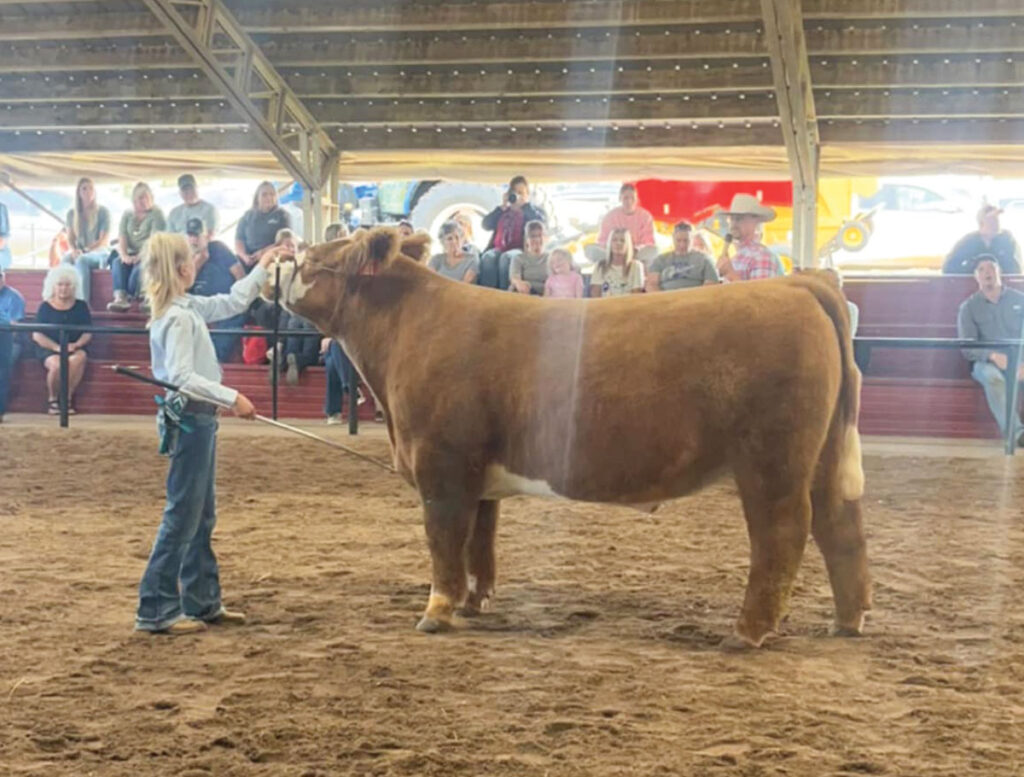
104, 391
925, 392
921, 392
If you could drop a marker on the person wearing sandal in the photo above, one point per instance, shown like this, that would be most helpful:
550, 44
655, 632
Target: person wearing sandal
60, 306
180, 590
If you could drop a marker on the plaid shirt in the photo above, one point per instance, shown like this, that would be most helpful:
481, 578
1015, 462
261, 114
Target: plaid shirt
753, 261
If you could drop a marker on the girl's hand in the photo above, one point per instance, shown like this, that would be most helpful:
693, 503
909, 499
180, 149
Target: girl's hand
243, 408
325, 344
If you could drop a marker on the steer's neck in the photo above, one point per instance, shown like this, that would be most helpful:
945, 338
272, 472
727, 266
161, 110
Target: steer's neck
368, 320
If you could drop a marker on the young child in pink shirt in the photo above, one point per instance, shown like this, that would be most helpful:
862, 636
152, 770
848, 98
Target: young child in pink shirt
563, 281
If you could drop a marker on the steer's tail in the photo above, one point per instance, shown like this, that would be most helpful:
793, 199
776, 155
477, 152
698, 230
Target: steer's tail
850, 471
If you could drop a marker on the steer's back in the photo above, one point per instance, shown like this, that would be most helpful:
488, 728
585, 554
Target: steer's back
631, 399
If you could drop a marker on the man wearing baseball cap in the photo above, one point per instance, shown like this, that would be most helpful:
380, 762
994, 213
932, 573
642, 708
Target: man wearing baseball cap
989, 240
216, 271
191, 207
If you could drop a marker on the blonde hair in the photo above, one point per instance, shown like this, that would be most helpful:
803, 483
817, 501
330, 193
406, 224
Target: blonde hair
560, 253
606, 263
283, 234
140, 187
56, 275
162, 259
83, 218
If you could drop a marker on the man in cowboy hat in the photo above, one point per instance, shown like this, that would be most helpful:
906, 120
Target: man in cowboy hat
752, 260
989, 240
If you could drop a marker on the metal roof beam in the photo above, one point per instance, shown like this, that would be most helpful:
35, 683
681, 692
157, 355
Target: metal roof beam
391, 19
249, 71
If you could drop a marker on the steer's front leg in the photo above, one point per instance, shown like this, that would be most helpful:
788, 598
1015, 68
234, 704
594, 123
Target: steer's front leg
480, 564
448, 523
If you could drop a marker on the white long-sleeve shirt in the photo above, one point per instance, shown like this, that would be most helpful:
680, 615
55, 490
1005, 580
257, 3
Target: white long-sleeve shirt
180, 345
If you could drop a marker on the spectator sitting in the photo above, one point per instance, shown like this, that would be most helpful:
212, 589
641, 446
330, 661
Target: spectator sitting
683, 267
137, 225
257, 231
752, 259
529, 268
335, 231
994, 312
12, 310
564, 281
335, 360
699, 241
989, 240
61, 307
88, 236
299, 351
5, 236
191, 208
628, 215
620, 273
406, 229
217, 269
507, 223
456, 262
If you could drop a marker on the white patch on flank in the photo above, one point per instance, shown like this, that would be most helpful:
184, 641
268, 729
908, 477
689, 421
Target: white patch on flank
851, 472
500, 483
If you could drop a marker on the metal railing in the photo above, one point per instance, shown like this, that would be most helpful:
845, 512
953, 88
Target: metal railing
1012, 348
273, 336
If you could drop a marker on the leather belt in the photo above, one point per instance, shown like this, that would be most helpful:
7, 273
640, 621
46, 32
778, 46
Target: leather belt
196, 407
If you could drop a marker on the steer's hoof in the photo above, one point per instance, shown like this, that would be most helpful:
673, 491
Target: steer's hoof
432, 625
735, 643
847, 631
474, 607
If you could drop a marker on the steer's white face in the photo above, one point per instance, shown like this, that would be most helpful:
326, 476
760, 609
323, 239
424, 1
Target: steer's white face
293, 287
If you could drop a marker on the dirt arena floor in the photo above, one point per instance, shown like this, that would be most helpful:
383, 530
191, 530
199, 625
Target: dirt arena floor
600, 658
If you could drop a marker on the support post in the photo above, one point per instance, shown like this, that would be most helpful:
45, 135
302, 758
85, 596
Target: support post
352, 381
1013, 362
787, 48
275, 365
62, 392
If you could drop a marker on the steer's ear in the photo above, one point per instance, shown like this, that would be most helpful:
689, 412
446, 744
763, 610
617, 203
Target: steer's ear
417, 247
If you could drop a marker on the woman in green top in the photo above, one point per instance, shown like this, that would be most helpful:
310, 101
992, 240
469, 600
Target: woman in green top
137, 226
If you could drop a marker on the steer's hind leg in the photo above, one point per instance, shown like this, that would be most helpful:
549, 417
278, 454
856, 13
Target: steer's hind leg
778, 512
448, 524
839, 533
480, 559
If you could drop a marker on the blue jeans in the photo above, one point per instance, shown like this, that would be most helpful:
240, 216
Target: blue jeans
337, 367
127, 277
993, 380
305, 349
494, 267
85, 264
181, 578
8, 356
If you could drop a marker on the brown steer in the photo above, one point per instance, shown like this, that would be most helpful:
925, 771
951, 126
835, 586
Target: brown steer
488, 395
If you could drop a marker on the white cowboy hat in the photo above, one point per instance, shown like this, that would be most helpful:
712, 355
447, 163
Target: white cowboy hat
749, 205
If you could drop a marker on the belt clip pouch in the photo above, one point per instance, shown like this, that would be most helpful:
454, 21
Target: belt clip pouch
170, 421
